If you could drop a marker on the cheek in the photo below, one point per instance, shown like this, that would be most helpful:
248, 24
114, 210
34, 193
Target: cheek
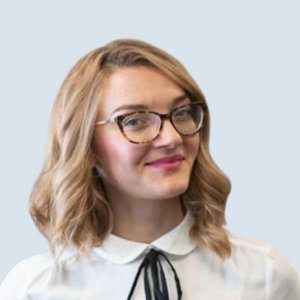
193, 146
106, 152
116, 156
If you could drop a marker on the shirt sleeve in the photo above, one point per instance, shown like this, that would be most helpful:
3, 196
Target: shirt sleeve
33, 270
283, 283
12, 288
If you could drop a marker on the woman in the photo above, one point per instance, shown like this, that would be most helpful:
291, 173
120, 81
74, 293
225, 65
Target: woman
129, 190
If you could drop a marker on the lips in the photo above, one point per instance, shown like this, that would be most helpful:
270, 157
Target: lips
167, 160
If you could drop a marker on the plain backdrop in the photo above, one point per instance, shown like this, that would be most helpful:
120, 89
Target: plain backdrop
245, 56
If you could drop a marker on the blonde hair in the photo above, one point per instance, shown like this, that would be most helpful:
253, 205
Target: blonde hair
68, 202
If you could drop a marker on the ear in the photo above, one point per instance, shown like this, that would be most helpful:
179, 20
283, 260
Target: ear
95, 162
92, 158
92, 162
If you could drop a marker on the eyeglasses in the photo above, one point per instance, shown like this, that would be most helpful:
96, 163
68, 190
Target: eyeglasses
142, 127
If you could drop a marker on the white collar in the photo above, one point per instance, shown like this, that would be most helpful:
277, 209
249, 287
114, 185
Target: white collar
121, 251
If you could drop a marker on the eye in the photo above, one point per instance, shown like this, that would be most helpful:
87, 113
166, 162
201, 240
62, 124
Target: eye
132, 122
183, 112
136, 122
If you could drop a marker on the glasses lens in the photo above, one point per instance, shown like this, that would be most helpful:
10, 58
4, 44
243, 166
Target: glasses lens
141, 127
188, 119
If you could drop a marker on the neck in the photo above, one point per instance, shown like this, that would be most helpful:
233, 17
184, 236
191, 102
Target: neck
144, 221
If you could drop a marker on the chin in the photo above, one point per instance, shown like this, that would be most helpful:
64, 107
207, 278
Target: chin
167, 192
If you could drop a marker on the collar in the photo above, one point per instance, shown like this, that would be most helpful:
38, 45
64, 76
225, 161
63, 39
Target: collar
121, 251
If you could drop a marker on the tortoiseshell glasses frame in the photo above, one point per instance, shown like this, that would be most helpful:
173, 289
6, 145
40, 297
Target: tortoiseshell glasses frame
162, 117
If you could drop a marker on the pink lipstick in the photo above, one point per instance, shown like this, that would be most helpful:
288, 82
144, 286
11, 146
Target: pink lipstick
167, 163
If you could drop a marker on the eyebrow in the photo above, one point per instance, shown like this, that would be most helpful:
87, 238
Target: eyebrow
175, 102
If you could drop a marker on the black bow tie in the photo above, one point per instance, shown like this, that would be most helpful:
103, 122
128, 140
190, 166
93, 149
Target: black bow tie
152, 259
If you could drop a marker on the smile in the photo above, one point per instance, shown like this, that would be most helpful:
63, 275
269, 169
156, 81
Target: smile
167, 163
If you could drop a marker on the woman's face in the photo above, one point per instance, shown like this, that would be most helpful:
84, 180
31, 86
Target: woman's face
127, 169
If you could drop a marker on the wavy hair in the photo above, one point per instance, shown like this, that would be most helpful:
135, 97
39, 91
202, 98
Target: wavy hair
68, 202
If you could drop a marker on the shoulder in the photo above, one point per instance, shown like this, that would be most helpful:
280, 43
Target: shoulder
281, 280
284, 283
249, 246
21, 277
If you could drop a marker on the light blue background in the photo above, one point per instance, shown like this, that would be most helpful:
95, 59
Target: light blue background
244, 56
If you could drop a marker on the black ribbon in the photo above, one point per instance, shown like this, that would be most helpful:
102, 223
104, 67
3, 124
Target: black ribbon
152, 259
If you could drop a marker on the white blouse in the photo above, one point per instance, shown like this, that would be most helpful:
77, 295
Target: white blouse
256, 271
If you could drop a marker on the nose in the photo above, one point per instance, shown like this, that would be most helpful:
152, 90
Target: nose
168, 136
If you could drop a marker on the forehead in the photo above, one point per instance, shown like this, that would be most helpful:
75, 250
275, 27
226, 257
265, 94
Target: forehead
138, 86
